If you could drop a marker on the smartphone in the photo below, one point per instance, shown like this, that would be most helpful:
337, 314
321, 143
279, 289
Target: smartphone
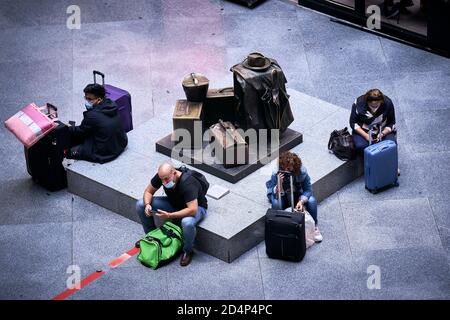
286, 174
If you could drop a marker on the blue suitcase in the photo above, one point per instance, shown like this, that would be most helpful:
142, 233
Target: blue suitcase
380, 165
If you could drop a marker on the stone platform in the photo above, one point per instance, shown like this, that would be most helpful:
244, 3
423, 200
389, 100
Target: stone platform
235, 223
202, 158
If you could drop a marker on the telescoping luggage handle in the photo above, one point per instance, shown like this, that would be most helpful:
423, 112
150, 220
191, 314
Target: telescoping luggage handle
100, 74
279, 192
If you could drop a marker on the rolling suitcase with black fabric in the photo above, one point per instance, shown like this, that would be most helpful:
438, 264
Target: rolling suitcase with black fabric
123, 100
380, 164
285, 231
44, 159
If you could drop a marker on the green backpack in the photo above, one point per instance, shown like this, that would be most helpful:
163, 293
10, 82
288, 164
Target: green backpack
160, 245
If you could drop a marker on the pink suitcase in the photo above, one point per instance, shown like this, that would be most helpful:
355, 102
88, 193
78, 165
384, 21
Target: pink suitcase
31, 123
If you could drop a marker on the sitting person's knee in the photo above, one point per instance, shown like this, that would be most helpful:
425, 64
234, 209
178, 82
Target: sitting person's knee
139, 205
188, 222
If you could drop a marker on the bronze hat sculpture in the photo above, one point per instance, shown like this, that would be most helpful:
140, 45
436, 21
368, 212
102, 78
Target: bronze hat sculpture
257, 62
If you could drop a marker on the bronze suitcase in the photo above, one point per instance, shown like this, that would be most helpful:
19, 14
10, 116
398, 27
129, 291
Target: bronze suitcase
230, 147
188, 115
219, 104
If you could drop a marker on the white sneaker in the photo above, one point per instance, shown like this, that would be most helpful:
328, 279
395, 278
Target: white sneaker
317, 235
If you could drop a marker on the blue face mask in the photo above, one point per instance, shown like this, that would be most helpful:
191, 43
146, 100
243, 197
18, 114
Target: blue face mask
88, 105
169, 185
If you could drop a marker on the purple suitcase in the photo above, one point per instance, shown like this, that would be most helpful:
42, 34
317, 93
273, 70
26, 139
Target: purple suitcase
123, 100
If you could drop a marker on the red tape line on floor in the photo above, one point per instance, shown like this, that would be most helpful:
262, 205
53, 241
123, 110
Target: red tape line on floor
90, 278
95, 275
118, 261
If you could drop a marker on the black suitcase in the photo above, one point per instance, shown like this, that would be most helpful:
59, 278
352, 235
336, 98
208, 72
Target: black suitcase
44, 159
285, 232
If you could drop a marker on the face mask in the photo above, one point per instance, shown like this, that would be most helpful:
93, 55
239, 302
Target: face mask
373, 108
88, 105
169, 185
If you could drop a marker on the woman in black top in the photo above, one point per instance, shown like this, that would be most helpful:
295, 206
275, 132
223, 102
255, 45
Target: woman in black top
372, 108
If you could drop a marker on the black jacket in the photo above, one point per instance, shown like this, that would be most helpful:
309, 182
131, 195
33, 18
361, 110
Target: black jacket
360, 115
101, 132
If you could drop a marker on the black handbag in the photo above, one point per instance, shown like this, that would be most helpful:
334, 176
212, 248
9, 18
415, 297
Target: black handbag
342, 145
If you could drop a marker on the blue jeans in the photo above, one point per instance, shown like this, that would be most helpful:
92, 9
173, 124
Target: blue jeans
187, 223
361, 143
311, 205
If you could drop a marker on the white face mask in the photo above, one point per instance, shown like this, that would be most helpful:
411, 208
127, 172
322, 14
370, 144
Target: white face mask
373, 109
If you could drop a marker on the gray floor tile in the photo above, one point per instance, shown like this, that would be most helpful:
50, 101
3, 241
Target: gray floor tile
317, 28
48, 12
261, 32
187, 32
101, 241
441, 212
346, 60
32, 13
193, 9
46, 206
422, 91
407, 273
332, 226
35, 248
49, 42
31, 285
32, 78
424, 128
445, 238
116, 10
84, 210
432, 167
403, 59
390, 225
215, 281
316, 277
138, 283
104, 39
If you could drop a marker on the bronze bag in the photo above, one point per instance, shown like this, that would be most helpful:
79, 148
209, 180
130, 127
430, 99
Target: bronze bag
185, 116
219, 104
195, 86
230, 147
